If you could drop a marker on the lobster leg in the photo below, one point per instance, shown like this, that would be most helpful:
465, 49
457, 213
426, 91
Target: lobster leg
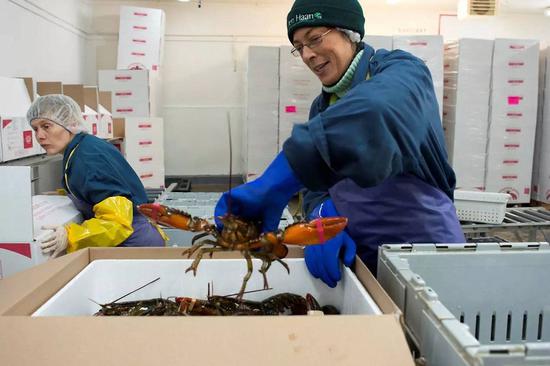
246, 256
198, 258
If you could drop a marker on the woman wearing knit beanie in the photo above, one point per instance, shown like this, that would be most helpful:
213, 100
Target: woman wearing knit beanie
373, 149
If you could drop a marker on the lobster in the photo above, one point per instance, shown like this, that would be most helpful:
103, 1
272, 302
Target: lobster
245, 236
280, 304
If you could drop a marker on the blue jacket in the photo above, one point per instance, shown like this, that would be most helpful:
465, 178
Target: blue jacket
385, 126
97, 170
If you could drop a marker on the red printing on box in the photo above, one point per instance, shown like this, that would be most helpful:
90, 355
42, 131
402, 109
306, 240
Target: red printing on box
19, 248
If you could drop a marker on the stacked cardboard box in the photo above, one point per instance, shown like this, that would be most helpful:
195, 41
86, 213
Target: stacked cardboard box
17, 138
467, 80
140, 38
298, 87
430, 50
136, 91
261, 132
541, 166
513, 116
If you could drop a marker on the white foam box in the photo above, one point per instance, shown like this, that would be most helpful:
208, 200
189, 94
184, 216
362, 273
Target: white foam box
298, 87
23, 217
469, 118
106, 280
141, 38
541, 166
379, 42
260, 131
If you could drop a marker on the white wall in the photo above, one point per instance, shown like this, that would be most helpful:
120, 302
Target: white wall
45, 39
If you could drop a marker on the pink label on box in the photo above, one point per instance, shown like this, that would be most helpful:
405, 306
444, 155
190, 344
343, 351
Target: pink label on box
139, 27
146, 176
123, 77
155, 67
423, 43
124, 110
146, 159
290, 109
508, 177
511, 146
510, 161
138, 54
139, 40
139, 14
515, 81
94, 129
513, 130
515, 63
514, 114
123, 94
6, 122
27, 139
514, 100
19, 248
516, 46
526, 191
148, 142
145, 125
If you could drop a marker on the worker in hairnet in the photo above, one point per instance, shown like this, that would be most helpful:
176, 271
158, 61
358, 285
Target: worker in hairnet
373, 149
97, 178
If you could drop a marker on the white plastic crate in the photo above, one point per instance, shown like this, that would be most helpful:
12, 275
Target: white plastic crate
468, 304
484, 207
103, 281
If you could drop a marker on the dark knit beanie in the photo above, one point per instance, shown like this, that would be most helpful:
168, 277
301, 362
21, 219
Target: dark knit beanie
346, 14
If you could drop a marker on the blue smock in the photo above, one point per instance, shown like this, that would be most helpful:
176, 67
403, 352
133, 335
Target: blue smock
380, 153
96, 171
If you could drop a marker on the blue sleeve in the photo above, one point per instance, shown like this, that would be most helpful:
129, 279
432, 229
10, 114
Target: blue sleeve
385, 126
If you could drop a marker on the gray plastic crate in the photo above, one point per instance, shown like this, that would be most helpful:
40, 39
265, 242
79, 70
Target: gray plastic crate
200, 204
472, 304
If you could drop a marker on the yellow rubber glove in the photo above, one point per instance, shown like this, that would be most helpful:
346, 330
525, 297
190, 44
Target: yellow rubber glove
111, 225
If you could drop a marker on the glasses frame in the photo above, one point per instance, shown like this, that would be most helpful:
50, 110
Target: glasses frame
313, 43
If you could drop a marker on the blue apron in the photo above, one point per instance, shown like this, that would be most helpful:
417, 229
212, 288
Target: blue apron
403, 209
144, 235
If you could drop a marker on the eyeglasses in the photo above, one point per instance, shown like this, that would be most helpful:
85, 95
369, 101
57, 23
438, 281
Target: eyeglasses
313, 42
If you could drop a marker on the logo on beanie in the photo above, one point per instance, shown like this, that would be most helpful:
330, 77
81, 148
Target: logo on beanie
299, 18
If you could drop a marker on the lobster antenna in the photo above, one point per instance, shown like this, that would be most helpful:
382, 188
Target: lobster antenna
137, 289
230, 163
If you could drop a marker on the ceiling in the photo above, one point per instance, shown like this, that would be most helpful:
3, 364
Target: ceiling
504, 6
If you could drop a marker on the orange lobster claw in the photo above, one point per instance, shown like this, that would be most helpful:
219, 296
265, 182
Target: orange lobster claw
172, 217
314, 232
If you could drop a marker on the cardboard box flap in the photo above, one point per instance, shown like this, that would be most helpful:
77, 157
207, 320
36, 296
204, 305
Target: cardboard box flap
105, 100
14, 97
75, 91
91, 97
49, 87
297, 340
30, 87
23, 293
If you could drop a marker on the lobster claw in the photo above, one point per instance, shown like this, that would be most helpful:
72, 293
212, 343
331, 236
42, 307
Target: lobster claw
314, 232
172, 217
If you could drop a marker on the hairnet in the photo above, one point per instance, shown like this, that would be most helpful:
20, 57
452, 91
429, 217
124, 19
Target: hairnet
59, 109
352, 35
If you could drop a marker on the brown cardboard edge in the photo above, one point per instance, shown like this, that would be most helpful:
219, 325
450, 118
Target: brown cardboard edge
76, 92
104, 98
30, 86
24, 292
49, 87
380, 296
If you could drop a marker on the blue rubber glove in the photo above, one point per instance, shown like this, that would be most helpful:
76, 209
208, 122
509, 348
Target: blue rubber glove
263, 199
323, 261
